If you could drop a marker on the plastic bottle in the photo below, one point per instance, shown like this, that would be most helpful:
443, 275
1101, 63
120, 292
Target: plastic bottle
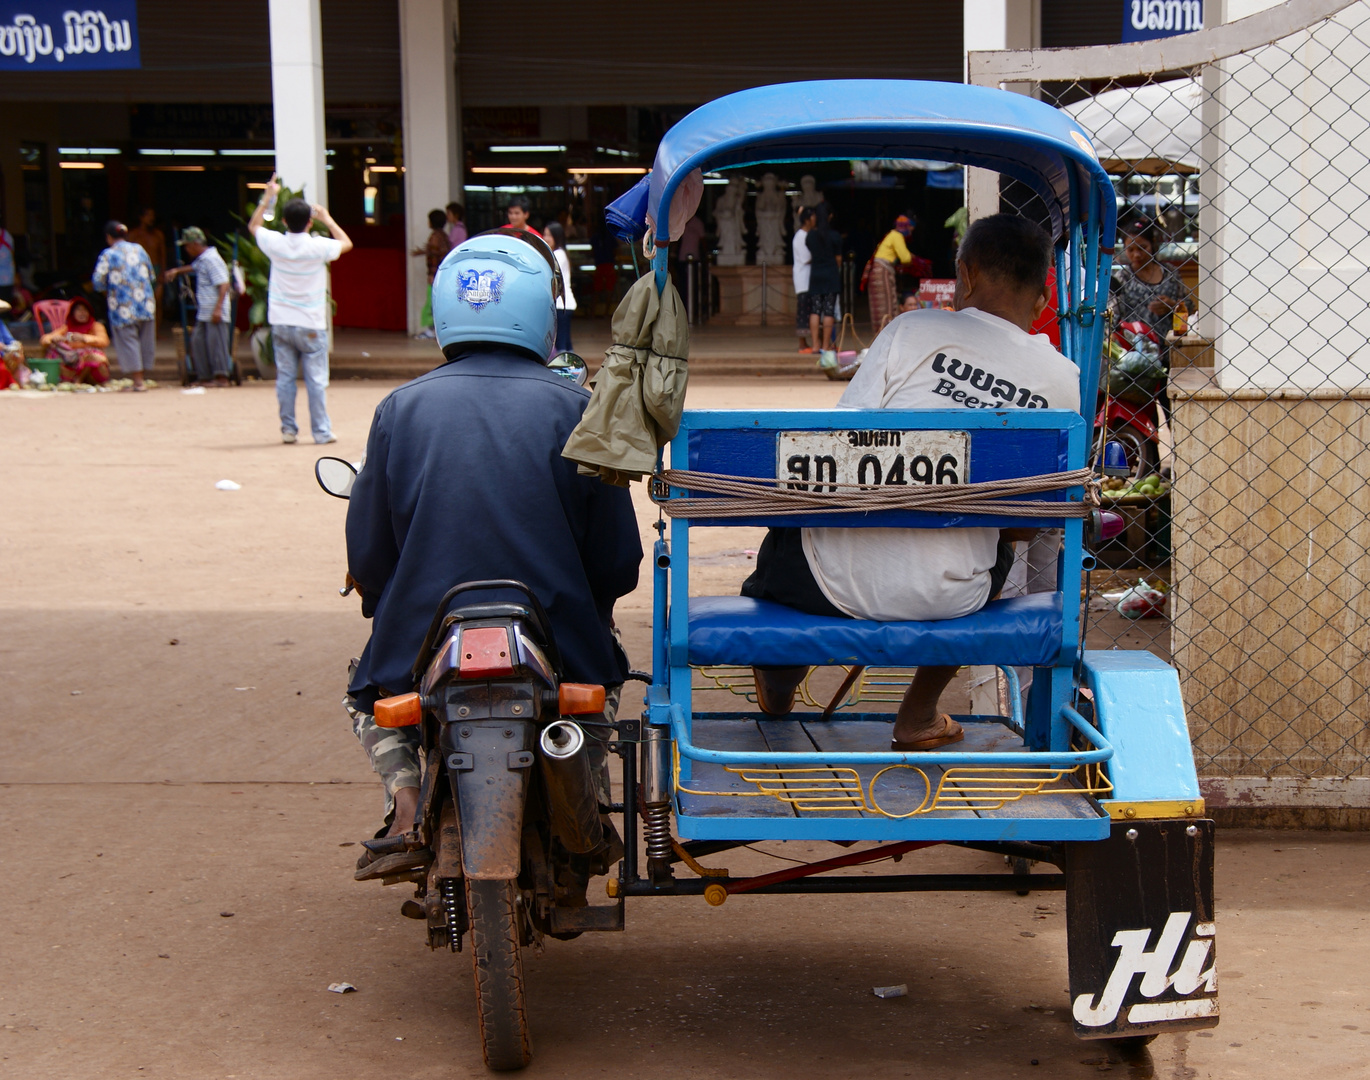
269, 211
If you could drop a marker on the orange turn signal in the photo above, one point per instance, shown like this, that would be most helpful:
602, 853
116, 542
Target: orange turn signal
406, 710
575, 699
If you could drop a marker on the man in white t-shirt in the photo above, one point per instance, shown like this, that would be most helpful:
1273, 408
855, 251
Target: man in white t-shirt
296, 305
803, 261
982, 355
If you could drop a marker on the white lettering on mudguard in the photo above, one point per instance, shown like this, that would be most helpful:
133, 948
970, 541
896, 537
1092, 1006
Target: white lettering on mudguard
1154, 1012
1154, 967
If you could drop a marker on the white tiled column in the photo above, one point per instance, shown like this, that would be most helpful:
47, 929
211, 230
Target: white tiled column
297, 96
432, 126
992, 25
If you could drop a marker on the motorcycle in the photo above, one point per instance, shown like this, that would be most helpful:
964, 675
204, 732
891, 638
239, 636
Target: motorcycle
1129, 404
509, 823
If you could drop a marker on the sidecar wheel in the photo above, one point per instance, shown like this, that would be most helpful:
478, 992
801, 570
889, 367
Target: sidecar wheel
498, 968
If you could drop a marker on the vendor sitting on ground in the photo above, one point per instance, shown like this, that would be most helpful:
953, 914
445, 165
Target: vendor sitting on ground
79, 346
13, 372
925, 360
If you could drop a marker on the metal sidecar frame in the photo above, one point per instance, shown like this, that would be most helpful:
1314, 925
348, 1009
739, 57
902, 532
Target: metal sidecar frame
1093, 773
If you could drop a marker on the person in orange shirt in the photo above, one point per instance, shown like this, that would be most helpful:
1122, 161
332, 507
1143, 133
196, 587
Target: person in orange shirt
517, 213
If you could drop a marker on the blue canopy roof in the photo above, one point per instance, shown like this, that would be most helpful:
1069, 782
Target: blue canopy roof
891, 118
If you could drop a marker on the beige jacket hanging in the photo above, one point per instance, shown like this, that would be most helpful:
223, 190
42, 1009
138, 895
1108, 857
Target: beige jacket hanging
639, 393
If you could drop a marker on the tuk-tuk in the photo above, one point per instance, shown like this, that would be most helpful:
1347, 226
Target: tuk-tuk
1089, 769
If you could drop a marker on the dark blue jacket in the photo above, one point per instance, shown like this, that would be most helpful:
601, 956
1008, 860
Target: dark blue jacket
464, 480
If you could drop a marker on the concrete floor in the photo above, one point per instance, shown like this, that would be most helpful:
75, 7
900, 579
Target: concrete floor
183, 797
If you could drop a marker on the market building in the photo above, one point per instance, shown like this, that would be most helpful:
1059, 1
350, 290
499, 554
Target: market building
388, 110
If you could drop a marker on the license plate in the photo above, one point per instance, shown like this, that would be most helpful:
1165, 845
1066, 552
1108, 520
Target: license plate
814, 460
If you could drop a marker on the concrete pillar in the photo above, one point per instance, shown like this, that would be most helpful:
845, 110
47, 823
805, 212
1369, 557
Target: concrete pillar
432, 126
990, 26
297, 96
987, 26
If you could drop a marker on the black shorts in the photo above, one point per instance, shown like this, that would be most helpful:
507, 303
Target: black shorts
782, 574
824, 305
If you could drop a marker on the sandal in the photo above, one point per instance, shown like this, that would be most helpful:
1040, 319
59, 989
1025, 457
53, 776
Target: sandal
388, 855
948, 732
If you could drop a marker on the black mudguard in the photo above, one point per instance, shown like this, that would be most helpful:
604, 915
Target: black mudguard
1139, 917
489, 762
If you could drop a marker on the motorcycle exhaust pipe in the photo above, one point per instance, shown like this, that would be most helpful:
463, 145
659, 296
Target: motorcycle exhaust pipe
570, 788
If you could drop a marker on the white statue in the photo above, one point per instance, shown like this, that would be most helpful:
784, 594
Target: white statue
808, 195
770, 222
728, 219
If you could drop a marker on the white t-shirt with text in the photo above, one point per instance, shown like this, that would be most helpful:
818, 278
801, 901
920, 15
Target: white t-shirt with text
930, 359
298, 291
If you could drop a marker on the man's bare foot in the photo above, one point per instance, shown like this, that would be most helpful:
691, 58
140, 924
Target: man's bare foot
406, 805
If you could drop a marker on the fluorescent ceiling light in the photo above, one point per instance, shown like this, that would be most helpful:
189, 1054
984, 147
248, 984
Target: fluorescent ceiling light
613, 152
92, 150
177, 153
522, 170
248, 153
586, 269
256, 187
578, 247
384, 168
478, 187
80, 164
714, 180
607, 170
527, 149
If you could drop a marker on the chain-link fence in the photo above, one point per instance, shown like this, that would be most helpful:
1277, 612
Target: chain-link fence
1242, 186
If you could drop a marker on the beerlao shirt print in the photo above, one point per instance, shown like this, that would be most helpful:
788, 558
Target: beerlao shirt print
931, 359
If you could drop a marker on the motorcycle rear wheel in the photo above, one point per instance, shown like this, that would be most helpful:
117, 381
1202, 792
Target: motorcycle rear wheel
498, 967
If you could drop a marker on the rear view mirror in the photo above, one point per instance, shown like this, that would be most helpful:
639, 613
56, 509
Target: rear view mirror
335, 476
570, 366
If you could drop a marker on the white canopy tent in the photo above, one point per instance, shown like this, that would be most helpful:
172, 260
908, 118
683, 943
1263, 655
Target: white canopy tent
1149, 129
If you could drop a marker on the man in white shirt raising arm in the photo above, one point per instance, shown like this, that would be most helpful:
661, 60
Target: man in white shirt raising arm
982, 355
296, 305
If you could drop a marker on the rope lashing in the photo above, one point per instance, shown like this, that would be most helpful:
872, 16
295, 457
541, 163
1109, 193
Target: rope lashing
760, 496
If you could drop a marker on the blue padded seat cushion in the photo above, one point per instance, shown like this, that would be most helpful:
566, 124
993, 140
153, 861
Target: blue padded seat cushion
1022, 630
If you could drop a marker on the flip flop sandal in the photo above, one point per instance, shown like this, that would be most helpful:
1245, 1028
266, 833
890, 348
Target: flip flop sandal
370, 867
951, 732
385, 855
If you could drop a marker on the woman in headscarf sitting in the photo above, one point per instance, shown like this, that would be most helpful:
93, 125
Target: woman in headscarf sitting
79, 346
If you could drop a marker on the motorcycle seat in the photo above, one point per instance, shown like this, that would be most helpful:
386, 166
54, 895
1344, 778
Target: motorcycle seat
1023, 631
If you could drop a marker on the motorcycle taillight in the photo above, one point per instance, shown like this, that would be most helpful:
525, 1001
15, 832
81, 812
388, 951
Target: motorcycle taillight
486, 652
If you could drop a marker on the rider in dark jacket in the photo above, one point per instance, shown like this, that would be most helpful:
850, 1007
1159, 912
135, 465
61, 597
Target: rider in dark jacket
464, 480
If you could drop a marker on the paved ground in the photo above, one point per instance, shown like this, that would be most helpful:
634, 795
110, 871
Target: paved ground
181, 795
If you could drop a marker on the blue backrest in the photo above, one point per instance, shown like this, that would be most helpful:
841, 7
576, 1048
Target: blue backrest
884, 447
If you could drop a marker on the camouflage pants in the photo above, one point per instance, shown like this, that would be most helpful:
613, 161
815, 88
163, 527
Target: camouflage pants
395, 752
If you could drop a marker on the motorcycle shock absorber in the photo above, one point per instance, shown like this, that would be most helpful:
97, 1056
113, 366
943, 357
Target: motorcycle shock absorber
656, 801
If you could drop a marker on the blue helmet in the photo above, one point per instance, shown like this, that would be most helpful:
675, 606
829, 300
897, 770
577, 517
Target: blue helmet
498, 288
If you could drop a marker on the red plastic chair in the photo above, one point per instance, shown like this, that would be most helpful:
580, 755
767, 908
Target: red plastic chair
50, 314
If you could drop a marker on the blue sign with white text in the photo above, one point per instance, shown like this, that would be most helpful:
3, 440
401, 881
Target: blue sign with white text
1147, 19
44, 35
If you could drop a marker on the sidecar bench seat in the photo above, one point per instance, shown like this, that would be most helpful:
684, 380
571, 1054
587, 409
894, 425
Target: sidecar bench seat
1024, 631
